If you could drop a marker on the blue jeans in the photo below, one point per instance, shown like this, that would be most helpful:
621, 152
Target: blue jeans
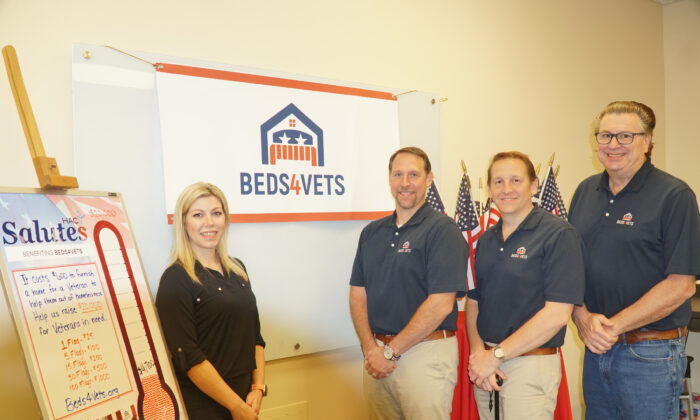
640, 381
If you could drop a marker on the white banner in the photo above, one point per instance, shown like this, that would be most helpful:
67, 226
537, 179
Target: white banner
280, 149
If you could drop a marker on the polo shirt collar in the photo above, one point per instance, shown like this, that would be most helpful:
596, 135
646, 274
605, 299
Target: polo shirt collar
417, 217
531, 221
635, 184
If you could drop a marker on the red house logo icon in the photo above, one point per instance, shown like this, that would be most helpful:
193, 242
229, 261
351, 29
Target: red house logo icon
291, 135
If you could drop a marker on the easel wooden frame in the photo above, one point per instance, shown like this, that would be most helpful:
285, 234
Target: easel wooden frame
46, 167
51, 182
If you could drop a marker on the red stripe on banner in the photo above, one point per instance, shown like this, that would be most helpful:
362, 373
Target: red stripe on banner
271, 81
307, 217
296, 152
284, 152
273, 159
313, 156
301, 152
302, 217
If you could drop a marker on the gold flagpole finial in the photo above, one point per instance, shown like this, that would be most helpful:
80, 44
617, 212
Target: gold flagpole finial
551, 160
556, 172
537, 169
464, 166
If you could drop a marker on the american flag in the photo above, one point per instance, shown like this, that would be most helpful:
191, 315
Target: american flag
536, 197
466, 219
490, 217
550, 198
433, 198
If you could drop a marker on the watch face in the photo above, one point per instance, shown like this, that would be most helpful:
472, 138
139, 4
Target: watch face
499, 353
388, 352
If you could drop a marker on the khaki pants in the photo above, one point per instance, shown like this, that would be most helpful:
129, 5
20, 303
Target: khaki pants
420, 388
530, 391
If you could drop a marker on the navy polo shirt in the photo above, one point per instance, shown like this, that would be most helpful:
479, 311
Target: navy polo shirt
540, 261
636, 238
400, 266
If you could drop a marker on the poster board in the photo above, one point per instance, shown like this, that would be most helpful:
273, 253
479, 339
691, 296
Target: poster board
82, 309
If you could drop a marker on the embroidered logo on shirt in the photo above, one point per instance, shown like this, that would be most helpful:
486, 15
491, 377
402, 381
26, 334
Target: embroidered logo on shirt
405, 248
520, 253
626, 220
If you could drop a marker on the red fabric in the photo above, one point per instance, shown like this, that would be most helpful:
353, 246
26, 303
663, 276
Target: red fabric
463, 402
563, 409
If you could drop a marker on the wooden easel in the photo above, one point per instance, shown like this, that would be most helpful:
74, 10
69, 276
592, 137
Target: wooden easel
46, 167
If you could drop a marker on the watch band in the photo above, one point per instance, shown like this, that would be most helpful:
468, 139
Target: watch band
261, 387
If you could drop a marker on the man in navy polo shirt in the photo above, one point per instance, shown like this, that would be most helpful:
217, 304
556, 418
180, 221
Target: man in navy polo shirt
408, 269
529, 276
641, 228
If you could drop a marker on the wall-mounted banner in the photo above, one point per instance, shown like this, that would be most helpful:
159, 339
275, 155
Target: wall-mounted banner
280, 149
82, 308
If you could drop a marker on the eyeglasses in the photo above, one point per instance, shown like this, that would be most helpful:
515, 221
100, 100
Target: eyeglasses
623, 137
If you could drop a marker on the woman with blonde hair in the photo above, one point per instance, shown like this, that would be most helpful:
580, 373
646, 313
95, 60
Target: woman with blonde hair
209, 314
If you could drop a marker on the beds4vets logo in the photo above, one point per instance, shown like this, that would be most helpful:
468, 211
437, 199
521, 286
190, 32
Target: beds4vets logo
405, 248
289, 142
520, 253
626, 220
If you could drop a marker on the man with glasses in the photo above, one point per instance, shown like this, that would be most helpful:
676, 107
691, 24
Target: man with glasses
641, 228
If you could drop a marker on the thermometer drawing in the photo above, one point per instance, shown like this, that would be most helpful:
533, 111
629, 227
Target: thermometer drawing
156, 400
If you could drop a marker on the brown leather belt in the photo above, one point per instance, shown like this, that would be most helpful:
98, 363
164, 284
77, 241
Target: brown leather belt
635, 336
542, 351
435, 335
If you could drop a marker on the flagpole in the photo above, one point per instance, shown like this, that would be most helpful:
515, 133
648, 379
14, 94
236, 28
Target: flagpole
549, 167
482, 207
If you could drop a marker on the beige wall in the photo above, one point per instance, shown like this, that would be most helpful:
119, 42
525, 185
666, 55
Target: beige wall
681, 32
681, 27
527, 75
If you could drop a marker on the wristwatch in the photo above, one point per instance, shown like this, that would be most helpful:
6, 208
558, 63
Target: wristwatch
261, 387
499, 353
389, 354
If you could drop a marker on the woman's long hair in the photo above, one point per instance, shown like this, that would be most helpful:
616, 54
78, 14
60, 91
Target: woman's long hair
182, 249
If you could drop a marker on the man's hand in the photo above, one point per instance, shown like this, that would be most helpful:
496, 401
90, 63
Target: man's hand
377, 365
483, 368
595, 330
